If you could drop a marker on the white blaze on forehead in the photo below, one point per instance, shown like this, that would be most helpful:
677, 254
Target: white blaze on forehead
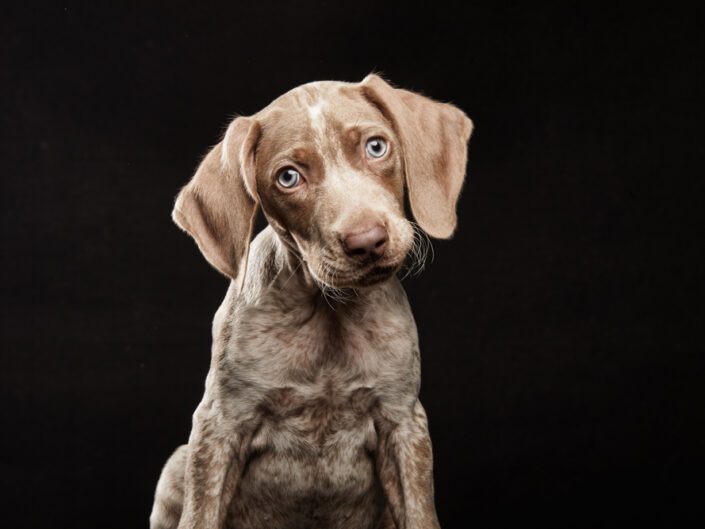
315, 112
322, 134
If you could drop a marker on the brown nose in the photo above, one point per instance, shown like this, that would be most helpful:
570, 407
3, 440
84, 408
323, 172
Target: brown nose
370, 242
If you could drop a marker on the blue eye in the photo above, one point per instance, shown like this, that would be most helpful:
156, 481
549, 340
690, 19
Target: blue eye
288, 178
376, 147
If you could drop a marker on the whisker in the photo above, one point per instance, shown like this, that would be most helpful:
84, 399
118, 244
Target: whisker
330, 293
418, 254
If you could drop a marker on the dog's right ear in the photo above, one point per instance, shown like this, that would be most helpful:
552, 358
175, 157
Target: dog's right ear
217, 207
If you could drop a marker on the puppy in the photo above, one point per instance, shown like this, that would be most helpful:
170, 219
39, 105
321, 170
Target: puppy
310, 417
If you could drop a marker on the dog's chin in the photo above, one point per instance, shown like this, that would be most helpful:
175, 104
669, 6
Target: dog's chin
369, 276
376, 275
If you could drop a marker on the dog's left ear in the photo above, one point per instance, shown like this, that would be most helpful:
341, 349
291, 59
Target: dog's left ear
434, 139
217, 207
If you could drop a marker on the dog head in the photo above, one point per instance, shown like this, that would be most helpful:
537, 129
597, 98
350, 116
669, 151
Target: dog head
329, 162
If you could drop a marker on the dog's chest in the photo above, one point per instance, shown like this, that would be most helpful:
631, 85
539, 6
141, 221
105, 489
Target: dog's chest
314, 379
311, 457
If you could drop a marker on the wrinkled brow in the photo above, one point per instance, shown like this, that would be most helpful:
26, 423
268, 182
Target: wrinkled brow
303, 155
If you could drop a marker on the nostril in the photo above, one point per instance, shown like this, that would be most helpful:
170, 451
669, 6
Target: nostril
380, 246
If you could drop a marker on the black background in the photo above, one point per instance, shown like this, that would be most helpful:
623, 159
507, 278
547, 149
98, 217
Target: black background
561, 329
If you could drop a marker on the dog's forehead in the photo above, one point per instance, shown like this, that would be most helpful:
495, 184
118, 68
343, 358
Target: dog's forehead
315, 112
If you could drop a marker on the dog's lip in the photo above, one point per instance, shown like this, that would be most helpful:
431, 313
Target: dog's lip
376, 271
370, 275
376, 274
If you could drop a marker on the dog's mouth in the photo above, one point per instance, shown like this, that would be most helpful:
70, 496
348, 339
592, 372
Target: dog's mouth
372, 274
333, 269
376, 274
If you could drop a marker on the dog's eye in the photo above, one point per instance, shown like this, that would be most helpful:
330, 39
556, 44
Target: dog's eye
288, 178
376, 147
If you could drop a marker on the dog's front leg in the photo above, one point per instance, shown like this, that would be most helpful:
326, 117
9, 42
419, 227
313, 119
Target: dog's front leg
405, 468
216, 456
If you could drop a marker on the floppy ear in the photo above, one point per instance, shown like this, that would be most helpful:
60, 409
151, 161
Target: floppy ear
434, 139
217, 207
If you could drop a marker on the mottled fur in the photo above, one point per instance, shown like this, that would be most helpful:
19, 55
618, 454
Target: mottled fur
310, 417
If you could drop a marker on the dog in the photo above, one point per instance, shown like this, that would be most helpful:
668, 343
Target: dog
310, 417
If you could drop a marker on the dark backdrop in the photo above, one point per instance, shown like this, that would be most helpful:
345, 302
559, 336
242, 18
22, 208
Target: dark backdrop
561, 328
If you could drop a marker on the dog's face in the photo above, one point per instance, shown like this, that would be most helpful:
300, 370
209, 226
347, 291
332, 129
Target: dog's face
329, 163
330, 178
